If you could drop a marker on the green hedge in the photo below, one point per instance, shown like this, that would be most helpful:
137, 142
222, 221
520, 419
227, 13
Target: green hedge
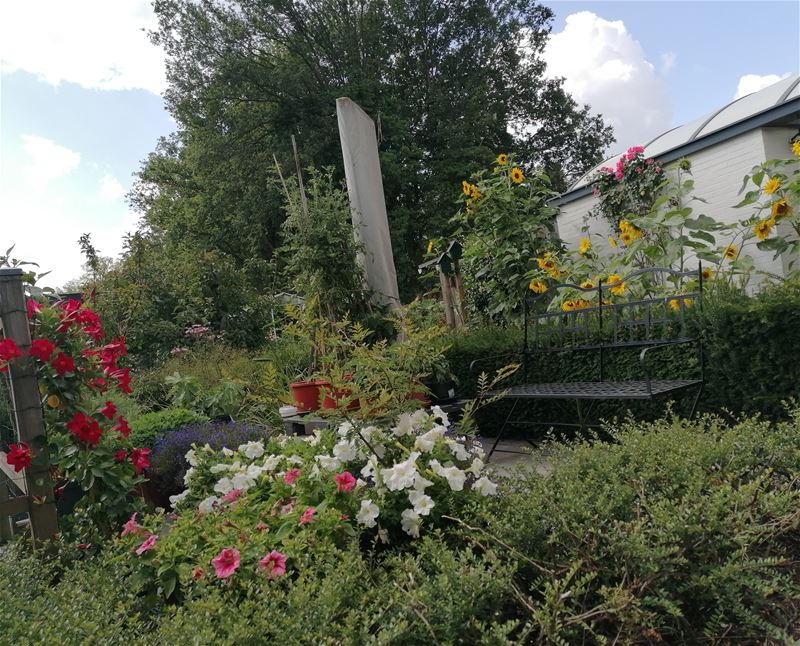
676, 533
751, 345
146, 429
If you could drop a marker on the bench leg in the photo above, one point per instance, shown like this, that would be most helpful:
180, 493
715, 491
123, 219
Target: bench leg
583, 416
502, 428
695, 400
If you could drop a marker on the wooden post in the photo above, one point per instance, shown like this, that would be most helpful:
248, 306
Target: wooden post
27, 406
447, 298
6, 527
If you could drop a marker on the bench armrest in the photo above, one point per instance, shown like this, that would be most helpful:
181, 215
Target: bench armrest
643, 356
476, 362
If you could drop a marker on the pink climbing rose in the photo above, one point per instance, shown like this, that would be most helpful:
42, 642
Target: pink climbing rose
226, 562
273, 564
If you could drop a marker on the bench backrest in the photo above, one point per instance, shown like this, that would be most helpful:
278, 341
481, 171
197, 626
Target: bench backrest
596, 318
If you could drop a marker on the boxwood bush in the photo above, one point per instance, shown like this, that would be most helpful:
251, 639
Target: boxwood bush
150, 426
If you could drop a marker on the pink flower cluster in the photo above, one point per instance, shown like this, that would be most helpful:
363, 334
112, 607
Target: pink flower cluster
228, 560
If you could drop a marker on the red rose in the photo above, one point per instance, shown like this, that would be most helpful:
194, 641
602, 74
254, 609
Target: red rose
85, 428
122, 426
63, 363
19, 456
139, 459
121, 455
9, 350
109, 410
33, 308
42, 349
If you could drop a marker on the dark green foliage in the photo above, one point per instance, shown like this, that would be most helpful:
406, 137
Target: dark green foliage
146, 429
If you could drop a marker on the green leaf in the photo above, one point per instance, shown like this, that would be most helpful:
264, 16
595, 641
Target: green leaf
284, 530
702, 235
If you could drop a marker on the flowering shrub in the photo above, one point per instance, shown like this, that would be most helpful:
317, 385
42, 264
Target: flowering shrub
266, 508
87, 445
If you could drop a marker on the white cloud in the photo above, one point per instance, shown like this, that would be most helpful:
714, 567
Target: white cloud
750, 83
47, 160
110, 188
95, 43
668, 60
604, 65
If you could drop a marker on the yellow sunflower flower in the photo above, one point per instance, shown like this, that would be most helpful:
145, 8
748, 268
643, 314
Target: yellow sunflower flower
537, 287
516, 175
430, 246
581, 304
731, 251
781, 209
466, 187
619, 290
502, 159
546, 263
764, 228
585, 245
612, 242
708, 274
555, 273
587, 284
568, 306
796, 147
772, 185
474, 193
626, 238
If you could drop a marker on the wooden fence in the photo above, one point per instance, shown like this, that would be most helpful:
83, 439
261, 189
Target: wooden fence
36, 497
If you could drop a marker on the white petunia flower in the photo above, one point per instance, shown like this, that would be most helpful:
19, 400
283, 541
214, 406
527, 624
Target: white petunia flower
344, 451
455, 477
226, 451
252, 450
188, 476
368, 514
476, 467
314, 473
404, 425
224, 485
383, 536
427, 441
191, 457
344, 429
254, 471
457, 449
484, 486
177, 498
219, 468
419, 418
242, 481
360, 484
369, 469
440, 414
402, 474
313, 440
410, 522
329, 463
271, 463
296, 460
422, 503
207, 505
421, 483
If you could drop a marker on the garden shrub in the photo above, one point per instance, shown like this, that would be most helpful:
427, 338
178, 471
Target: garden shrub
168, 463
150, 426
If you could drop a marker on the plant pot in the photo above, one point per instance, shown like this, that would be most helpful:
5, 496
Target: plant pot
421, 397
306, 394
442, 390
333, 397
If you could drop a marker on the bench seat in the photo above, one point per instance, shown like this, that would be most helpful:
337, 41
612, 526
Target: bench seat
600, 389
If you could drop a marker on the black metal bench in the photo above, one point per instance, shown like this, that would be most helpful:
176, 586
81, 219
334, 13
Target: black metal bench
645, 325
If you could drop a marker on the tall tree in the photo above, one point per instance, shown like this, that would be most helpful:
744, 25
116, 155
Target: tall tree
450, 83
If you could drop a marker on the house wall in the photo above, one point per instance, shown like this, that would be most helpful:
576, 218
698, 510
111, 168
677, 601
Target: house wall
718, 172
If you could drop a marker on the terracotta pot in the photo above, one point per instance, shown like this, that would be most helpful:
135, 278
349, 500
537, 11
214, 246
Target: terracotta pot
306, 394
332, 398
421, 397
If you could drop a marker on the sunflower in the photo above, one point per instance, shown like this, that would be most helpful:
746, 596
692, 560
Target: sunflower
466, 187
474, 193
781, 209
675, 303
731, 252
618, 290
586, 244
612, 242
581, 304
568, 306
587, 284
707, 274
430, 246
796, 147
555, 273
772, 185
764, 228
546, 263
626, 238
537, 287
502, 159
516, 175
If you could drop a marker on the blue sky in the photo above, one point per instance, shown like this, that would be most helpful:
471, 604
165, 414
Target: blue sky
80, 104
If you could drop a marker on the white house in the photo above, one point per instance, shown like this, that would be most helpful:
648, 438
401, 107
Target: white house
723, 146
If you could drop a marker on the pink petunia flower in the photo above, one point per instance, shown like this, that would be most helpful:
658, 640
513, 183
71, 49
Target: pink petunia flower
273, 564
226, 562
148, 544
197, 573
131, 527
291, 475
345, 481
308, 515
232, 495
